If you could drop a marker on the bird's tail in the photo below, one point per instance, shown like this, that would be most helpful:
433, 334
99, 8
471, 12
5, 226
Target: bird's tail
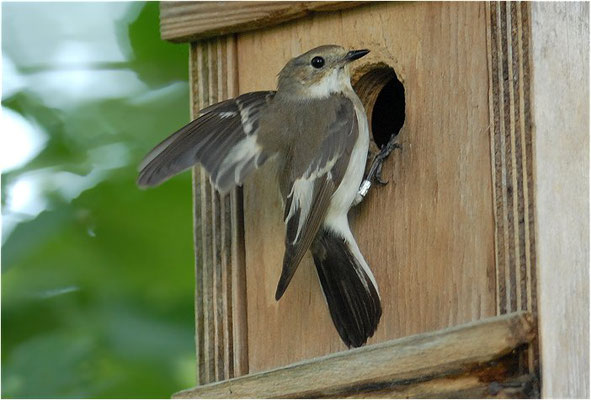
348, 285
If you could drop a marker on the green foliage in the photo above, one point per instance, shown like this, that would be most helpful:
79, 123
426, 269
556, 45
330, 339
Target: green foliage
97, 290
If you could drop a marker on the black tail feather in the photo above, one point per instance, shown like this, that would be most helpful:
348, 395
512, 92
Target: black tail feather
352, 298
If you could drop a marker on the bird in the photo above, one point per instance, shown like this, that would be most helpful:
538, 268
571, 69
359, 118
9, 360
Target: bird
315, 129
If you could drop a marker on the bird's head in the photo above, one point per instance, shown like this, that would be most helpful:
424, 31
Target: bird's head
318, 72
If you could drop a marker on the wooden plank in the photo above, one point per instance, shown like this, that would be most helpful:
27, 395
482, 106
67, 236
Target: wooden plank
512, 158
182, 21
429, 234
220, 311
238, 273
476, 384
204, 281
511, 153
197, 239
393, 366
560, 94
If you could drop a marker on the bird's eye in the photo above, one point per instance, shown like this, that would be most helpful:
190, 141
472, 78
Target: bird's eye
317, 62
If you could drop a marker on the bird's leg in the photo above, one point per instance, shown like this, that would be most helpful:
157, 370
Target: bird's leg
375, 171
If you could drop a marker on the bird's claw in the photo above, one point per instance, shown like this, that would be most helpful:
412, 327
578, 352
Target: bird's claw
378, 172
378, 178
375, 171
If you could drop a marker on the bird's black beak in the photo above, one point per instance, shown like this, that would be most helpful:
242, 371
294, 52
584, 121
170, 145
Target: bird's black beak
355, 54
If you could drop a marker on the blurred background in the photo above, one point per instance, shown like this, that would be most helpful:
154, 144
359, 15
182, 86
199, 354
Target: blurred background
97, 275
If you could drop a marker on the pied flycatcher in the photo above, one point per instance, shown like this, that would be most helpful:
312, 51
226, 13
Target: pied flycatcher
315, 128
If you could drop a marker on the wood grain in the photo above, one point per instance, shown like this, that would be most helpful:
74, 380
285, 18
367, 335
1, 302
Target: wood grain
220, 309
560, 93
470, 356
429, 234
181, 21
512, 159
470, 385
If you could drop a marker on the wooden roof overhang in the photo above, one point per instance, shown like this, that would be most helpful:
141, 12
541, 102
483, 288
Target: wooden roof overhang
185, 21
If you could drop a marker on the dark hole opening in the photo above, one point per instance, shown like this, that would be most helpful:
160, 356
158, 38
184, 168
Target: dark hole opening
388, 112
382, 95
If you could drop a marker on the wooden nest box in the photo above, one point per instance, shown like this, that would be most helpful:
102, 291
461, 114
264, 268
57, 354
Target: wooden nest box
480, 257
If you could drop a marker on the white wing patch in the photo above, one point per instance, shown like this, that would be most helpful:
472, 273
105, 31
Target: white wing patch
242, 153
301, 198
310, 174
245, 118
302, 192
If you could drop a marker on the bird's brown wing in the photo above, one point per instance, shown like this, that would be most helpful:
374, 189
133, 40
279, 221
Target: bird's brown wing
310, 192
223, 139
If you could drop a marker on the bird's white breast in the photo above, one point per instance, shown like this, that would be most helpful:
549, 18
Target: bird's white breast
345, 194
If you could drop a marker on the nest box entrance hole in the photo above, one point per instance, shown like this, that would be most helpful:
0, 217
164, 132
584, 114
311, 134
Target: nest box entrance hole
382, 95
